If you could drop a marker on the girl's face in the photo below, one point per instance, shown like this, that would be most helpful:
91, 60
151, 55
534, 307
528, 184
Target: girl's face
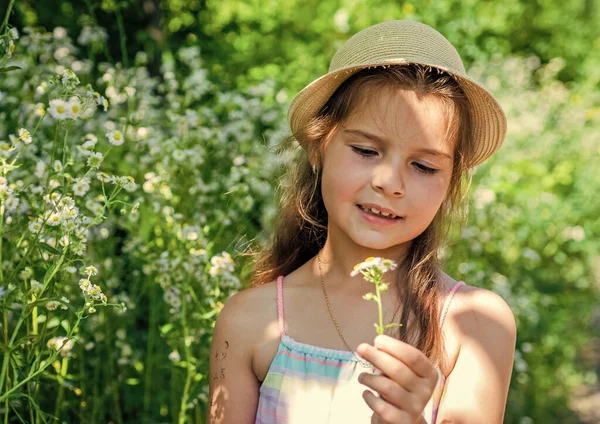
392, 153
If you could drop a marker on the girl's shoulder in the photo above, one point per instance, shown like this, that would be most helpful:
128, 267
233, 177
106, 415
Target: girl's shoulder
250, 317
253, 308
472, 314
469, 299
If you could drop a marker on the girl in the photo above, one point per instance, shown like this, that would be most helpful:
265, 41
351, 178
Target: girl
388, 138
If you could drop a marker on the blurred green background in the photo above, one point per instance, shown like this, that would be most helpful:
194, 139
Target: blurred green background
212, 80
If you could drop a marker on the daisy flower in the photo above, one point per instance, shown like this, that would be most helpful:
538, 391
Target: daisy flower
58, 109
73, 108
35, 226
115, 137
372, 263
95, 159
24, 136
58, 167
81, 186
54, 219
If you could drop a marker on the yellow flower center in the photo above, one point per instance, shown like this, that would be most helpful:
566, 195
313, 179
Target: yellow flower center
60, 109
117, 135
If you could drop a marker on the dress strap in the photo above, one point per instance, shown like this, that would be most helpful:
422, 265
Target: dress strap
280, 306
448, 300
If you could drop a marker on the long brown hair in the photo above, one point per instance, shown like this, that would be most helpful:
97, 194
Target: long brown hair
300, 226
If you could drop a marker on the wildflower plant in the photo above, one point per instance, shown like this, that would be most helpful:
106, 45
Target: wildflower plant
372, 270
50, 201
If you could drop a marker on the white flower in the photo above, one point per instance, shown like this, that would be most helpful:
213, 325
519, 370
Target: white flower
221, 264
370, 263
174, 356
178, 155
81, 186
25, 136
36, 287
62, 345
52, 305
69, 78
95, 160
35, 226
73, 108
91, 137
101, 101
129, 185
54, 219
191, 232
172, 296
115, 137
92, 270
58, 109
40, 169
58, 167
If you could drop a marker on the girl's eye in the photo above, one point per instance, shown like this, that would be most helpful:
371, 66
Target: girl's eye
424, 169
364, 152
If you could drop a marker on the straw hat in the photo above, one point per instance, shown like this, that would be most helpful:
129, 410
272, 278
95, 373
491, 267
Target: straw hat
398, 42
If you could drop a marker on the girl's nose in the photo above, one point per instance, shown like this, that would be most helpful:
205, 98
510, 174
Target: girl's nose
389, 180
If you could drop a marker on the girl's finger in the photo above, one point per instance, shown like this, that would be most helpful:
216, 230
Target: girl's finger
387, 412
410, 355
392, 393
392, 367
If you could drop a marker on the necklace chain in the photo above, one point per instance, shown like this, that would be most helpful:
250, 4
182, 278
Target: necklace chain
364, 363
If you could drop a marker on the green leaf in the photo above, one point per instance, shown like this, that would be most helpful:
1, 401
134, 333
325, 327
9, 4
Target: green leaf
54, 322
49, 249
166, 328
9, 68
393, 324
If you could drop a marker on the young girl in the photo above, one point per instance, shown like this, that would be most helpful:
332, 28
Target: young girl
388, 138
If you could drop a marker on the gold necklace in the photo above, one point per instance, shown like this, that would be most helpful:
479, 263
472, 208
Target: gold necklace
363, 362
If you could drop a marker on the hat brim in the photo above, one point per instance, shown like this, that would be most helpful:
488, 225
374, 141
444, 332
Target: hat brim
487, 117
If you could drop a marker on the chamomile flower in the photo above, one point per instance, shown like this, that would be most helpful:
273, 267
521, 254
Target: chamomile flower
92, 270
101, 101
62, 345
81, 186
35, 226
95, 160
36, 287
54, 219
24, 136
73, 108
58, 167
115, 137
372, 263
58, 109
52, 305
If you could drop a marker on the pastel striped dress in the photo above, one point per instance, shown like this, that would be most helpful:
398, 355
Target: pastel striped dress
308, 384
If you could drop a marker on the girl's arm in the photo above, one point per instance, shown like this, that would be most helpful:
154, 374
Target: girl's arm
477, 388
233, 385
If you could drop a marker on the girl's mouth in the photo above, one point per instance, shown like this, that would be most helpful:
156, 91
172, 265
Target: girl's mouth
377, 218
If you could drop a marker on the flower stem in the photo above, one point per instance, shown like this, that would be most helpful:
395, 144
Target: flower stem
61, 380
5, 22
188, 360
379, 308
152, 324
122, 36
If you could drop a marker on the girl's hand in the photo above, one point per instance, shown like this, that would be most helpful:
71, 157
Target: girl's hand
407, 382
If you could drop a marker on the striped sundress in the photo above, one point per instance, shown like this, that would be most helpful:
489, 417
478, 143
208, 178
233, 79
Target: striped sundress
308, 384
